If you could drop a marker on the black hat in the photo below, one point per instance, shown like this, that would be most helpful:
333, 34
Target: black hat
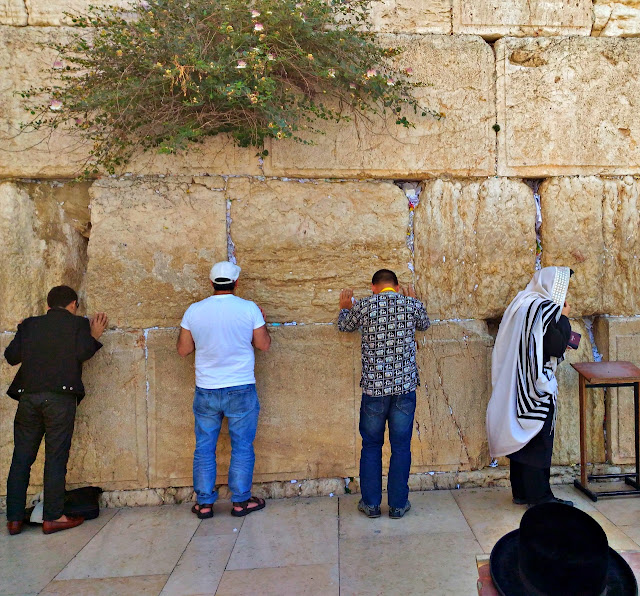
559, 551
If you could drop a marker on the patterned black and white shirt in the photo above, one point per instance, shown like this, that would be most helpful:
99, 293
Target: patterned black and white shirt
388, 322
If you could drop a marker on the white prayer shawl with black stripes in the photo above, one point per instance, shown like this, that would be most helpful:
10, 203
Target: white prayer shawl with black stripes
524, 386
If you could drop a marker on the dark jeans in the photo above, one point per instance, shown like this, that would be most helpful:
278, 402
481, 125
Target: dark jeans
399, 410
51, 415
529, 483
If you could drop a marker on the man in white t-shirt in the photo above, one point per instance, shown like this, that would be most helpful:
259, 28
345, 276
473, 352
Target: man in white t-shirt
224, 330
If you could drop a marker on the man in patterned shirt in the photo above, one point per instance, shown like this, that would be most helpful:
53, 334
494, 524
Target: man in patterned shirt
388, 321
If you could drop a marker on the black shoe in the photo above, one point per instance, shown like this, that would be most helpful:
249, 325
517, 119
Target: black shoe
398, 512
517, 501
369, 511
552, 500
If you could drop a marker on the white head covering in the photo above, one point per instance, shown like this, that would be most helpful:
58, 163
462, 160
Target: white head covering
524, 387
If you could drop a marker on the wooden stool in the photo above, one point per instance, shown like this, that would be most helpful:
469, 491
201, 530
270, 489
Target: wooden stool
607, 374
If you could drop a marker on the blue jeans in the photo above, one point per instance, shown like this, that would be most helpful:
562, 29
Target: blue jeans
399, 410
241, 407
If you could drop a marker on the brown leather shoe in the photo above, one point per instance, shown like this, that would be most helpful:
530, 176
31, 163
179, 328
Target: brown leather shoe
14, 527
49, 527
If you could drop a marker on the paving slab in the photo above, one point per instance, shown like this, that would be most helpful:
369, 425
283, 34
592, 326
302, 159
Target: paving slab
489, 512
314, 580
139, 541
201, 566
45, 556
141, 585
431, 512
288, 532
402, 565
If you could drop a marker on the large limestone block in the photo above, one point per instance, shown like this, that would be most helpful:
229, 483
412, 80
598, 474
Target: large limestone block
40, 249
109, 442
24, 63
45, 13
411, 16
109, 446
299, 243
459, 72
591, 225
474, 245
567, 106
566, 449
617, 339
497, 18
616, 18
455, 369
13, 12
308, 390
152, 245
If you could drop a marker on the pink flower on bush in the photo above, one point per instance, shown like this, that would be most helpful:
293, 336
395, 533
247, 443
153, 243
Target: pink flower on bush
409, 71
241, 64
372, 72
258, 27
57, 65
55, 105
255, 14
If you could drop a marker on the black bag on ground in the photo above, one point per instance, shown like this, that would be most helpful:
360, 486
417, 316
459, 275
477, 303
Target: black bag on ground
83, 502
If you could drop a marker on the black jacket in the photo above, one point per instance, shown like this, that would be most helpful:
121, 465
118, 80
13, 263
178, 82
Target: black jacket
51, 349
556, 338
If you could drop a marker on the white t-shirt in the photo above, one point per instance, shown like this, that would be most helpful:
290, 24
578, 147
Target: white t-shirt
222, 329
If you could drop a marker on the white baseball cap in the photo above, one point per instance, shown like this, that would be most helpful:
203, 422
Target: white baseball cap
224, 272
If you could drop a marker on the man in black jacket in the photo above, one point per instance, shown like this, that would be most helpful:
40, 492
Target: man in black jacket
48, 386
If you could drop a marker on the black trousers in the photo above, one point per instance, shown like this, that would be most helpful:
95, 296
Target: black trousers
529, 483
41, 414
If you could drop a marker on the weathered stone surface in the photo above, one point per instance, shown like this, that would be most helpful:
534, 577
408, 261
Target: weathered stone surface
215, 156
566, 450
616, 18
308, 391
25, 64
300, 243
109, 441
45, 13
411, 16
567, 106
459, 73
455, 369
474, 245
13, 12
109, 445
40, 249
154, 241
591, 225
497, 18
617, 339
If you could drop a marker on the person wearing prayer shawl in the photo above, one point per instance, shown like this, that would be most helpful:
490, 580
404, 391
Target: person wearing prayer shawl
531, 341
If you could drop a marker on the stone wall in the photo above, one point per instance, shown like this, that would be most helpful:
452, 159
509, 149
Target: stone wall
536, 103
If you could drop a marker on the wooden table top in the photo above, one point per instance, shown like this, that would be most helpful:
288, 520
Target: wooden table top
608, 372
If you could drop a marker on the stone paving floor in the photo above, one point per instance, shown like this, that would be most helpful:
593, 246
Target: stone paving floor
317, 546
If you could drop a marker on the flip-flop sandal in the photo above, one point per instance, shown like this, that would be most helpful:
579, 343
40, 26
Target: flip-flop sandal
246, 510
196, 509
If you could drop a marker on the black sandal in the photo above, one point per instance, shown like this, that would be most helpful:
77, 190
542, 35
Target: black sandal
246, 510
196, 509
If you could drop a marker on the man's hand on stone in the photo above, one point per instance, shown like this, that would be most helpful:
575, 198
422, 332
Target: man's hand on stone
408, 291
98, 324
346, 299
